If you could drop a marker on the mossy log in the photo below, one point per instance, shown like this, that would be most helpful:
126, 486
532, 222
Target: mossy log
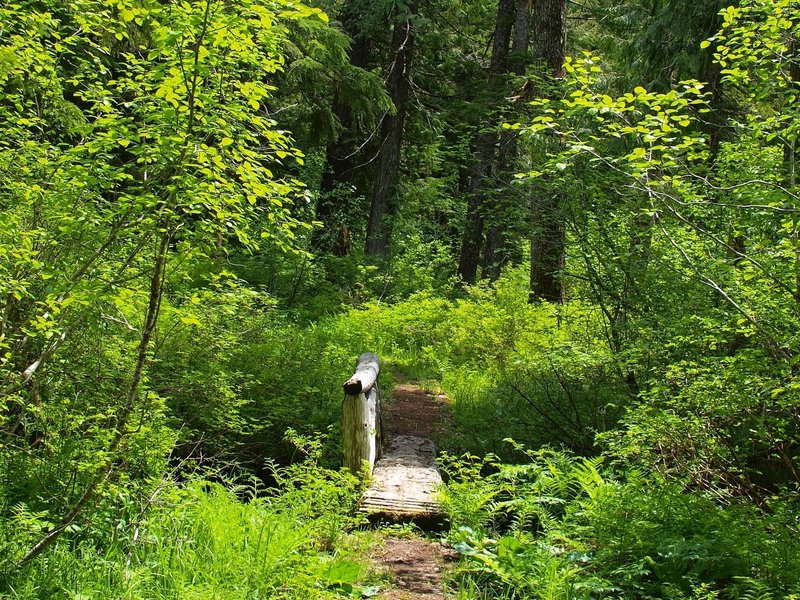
361, 419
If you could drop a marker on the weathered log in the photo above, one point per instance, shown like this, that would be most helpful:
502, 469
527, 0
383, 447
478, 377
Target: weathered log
361, 418
360, 430
404, 481
366, 374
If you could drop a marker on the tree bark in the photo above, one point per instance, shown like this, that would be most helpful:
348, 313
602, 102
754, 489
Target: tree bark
397, 84
550, 36
548, 257
499, 247
480, 172
548, 239
485, 149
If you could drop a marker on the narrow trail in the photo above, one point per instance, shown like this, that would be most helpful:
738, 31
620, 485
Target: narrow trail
413, 411
415, 564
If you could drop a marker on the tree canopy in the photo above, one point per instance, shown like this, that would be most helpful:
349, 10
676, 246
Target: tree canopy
579, 221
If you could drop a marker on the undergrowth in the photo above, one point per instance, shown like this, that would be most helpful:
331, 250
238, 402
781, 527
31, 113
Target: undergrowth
203, 539
563, 527
657, 487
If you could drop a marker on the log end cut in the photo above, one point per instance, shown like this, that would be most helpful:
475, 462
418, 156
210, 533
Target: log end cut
366, 375
353, 387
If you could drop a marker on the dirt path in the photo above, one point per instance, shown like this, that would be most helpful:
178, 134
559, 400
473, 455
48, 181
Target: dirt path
413, 411
416, 564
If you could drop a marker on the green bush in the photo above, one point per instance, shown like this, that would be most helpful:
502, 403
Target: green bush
724, 424
562, 527
205, 540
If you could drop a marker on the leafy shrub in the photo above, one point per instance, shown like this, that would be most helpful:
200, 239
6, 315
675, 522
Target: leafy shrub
559, 526
724, 424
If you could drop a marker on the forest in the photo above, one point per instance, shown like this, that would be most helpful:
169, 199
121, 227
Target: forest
578, 220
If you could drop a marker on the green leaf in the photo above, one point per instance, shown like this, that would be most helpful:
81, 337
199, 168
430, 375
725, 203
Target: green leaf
343, 571
191, 320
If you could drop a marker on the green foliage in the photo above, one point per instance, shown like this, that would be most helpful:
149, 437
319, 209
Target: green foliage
719, 425
317, 70
561, 527
201, 539
656, 44
198, 367
538, 373
755, 48
511, 368
161, 311
689, 249
136, 148
517, 546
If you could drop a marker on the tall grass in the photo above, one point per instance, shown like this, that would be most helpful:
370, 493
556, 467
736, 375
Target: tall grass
205, 540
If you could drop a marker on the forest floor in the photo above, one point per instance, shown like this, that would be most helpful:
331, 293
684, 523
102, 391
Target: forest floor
414, 563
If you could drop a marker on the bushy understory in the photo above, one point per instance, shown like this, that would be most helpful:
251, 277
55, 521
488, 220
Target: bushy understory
178, 309
202, 539
678, 502
562, 527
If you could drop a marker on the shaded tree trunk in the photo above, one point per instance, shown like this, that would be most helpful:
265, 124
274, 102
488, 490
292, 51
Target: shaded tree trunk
548, 238
499, 247
485, 150
397, 84
480, 171
548, 257
790, 155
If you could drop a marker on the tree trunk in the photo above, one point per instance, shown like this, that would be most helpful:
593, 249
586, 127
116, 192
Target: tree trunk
548, 256
480, 172
485, 149
397, 84
522, 37
790, 156
499, 248
550, 36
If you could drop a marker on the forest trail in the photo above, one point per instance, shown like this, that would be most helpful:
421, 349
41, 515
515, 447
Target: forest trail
405, 478
415, 564
416, 412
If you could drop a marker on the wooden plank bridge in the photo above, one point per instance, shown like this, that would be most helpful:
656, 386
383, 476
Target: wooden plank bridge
402, 469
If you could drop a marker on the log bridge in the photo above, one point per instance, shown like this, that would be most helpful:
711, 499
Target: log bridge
403, 479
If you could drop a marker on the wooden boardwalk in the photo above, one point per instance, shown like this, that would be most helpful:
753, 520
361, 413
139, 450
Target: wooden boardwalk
404, 481
403, 469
